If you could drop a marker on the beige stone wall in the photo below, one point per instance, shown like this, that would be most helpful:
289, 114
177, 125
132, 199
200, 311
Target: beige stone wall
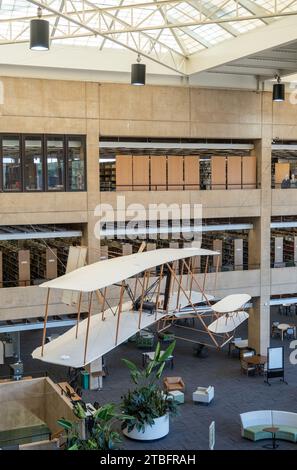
179, 112
56, 406
215, 203
22, 404
93, 109
32, 402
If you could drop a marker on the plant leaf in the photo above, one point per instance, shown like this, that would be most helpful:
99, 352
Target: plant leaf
65, 424
157, 352
74, 447
160, 370
168, 352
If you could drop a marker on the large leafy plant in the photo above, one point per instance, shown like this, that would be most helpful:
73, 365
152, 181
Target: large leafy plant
147, 401
99, 432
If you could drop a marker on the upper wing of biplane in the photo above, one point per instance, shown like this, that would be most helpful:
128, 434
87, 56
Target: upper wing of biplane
111, 271
231, 303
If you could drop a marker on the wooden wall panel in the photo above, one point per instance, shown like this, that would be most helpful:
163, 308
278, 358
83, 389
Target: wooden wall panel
51, 263
175, 172
278, 252
233, 172
249, 172
127, 249
103, 252
77, 258
192, 172
141, 172
124, 173
158, 173
218, 173
24, 268
151, 246
217, 259
1, 270
281, 171
238, 254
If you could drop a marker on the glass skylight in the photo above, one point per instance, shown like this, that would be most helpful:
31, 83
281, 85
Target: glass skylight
149, 26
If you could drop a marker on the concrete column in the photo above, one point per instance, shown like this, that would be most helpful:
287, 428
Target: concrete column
92, 132
259, 321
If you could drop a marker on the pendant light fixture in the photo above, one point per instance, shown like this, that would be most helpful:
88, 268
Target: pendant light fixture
138, 73
278, 93
39, 33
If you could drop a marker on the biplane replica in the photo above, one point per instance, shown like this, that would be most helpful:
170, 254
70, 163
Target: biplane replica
154, 287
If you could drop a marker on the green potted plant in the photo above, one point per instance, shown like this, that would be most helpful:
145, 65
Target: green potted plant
147, 407
94, 432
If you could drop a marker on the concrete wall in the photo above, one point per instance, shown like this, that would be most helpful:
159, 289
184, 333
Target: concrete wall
32, 402
22, 404
284, 202
94, 109
56, 406
215, 203
181, 112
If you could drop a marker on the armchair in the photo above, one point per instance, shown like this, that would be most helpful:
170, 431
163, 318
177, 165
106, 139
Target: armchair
204, 394
173, 383
244, 365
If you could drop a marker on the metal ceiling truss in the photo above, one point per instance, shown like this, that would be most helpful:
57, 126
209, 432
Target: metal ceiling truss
165, 31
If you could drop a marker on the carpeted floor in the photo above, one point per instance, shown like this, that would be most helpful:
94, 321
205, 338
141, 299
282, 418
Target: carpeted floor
234, 393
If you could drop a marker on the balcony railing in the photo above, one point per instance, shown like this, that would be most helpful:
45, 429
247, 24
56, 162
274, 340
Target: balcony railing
108, 186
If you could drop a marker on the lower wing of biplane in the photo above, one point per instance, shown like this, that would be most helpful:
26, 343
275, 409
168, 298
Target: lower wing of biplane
157, 292
218, 321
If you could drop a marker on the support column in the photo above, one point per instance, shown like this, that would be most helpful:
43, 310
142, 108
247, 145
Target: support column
259, 240
93, 176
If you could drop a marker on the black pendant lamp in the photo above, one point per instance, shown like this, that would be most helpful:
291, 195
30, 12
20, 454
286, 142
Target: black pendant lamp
39, 33
138, 73
278, 93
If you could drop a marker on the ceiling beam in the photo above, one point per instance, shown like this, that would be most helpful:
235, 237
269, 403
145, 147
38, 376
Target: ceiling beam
255, 9
183, 24
212, 18
167, 18
251, 70
112, 23
197, 4
260, 39
62, 4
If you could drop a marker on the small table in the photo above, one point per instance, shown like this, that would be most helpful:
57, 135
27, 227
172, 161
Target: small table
149, 356
273, 430
256, 360
283, 327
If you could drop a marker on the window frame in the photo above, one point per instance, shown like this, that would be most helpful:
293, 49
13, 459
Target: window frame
83, 140
63, 138
24, 137
18, 136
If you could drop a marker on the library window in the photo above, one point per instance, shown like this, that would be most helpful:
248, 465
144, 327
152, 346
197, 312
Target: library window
33, 164
42, 163
11, 164
55, 164
76, 164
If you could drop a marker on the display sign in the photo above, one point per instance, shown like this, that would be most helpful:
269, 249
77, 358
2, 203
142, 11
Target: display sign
212, 435
275, 364
275, 358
